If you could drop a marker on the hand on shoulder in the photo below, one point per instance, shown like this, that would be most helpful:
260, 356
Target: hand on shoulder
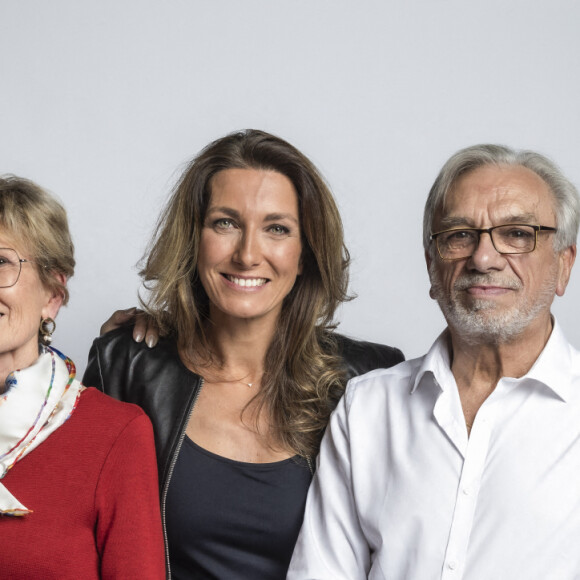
144, 328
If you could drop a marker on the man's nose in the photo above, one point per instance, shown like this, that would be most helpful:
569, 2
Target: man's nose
486, 257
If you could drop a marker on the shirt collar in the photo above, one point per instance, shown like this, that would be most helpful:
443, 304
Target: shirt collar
552, 367
436, 364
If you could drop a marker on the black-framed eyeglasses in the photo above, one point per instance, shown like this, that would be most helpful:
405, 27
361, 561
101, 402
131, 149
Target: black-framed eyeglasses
460, 243
10, 267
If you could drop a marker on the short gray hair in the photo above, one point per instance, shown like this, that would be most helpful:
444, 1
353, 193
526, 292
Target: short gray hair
567, 201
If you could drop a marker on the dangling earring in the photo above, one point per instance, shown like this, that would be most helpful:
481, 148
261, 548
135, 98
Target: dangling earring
47, 327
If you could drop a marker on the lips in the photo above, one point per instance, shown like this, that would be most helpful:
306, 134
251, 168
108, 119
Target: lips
245, 282
485, 285
487, 290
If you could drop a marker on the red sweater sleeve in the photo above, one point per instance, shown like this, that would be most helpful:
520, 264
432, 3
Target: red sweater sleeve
128, 533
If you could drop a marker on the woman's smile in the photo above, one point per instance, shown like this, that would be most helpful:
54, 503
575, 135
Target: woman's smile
241, 282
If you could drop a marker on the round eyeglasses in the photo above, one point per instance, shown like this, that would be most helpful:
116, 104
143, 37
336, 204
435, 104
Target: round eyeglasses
457, 244
10, 267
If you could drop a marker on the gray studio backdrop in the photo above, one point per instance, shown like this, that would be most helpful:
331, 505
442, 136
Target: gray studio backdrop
103, 103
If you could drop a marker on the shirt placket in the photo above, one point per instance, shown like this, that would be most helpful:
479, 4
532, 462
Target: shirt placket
466, 498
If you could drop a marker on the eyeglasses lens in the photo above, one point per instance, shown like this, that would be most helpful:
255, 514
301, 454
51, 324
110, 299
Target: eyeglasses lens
9, 267
508, 239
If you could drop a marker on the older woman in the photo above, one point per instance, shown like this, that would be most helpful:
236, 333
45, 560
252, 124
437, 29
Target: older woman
77, 469
245, 273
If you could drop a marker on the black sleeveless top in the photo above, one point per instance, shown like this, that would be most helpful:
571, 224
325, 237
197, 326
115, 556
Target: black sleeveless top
230, 520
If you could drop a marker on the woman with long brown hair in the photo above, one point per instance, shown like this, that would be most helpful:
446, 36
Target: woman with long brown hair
245, 272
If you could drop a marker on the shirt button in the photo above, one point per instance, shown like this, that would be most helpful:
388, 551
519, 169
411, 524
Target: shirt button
466, 491
452, 564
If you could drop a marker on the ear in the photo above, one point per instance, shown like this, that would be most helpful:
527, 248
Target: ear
566, 260
54, 298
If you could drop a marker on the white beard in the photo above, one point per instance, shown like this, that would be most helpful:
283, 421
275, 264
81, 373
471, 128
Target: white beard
483, 321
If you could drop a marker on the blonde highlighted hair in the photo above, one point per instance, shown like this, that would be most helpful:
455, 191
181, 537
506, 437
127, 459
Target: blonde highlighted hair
304, 375
34, 218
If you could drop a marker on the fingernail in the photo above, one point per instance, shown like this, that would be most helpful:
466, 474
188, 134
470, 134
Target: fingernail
150, 342
138, 337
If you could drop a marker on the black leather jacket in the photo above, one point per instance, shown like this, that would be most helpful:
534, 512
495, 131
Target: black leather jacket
157, 381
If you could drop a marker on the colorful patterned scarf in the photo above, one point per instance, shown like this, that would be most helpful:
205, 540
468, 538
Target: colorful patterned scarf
36, 402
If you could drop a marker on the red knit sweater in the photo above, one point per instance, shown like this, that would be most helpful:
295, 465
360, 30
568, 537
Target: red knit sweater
92, 486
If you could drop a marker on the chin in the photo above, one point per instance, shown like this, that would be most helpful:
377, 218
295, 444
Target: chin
241, 313
488, 324
476, 330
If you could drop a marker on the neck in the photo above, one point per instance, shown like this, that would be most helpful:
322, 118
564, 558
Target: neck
484, 362
240, 345
477, 367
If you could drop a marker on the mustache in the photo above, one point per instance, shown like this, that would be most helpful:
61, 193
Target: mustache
468, 280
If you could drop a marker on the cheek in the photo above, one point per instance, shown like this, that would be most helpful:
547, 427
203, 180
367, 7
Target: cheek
549, 278
445, 274
532, 273
25, 313
517, 267
17, 303
212, 250
290, 259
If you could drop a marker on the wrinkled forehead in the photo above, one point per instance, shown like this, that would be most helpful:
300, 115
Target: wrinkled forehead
498, 194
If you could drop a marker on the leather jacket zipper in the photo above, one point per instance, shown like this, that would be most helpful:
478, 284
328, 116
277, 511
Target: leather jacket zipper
170, 473
310, 464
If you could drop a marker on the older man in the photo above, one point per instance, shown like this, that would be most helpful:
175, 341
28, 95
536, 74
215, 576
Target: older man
465, 463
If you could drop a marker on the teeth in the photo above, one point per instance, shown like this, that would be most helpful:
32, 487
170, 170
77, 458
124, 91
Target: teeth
247, 282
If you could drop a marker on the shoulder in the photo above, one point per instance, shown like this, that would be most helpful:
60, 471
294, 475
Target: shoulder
120, 342
116, 361
155, 378
381, 384
109, 414
101, 424
99, 403
360, 356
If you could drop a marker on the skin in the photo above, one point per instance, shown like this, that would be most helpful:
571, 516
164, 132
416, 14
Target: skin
490, 286
22, 307
250, 257
250, 246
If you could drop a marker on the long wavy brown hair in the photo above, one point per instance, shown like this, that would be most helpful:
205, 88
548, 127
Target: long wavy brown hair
304, 375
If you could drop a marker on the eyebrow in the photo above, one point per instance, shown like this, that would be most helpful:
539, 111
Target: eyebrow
274, 217
271, 217
453, 222
227, 210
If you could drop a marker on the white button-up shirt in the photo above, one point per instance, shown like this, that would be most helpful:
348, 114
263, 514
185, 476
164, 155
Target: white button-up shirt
402, 493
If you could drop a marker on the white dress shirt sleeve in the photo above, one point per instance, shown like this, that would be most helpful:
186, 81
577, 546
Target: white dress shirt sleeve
331, 544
